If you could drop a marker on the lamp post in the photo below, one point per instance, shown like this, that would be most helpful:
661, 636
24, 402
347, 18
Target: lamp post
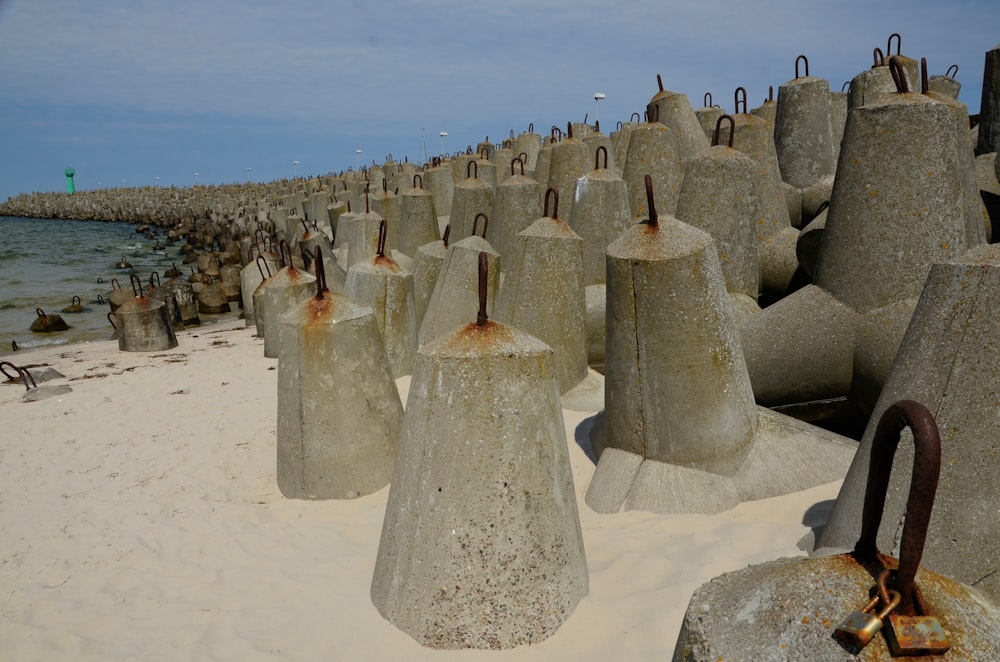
195, 179
443, 134
157, 180
598, 96
295, 165
357, 158
248, 173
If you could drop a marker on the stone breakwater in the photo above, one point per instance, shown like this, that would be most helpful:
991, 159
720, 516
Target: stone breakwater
154, 205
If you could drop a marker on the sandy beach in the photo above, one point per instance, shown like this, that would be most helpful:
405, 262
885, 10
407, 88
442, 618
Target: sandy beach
140, 520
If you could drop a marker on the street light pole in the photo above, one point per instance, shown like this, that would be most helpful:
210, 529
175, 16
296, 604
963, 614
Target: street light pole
295, 165
598, 97
357, 158
443, 135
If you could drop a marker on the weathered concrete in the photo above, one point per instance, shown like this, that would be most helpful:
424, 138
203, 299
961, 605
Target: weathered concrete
516, 205
803, 136
674, 110
600, 215
472, 196
653, 150
455, 298
387, 288
481, 544
988, 139
276, 296
786, 611
426, 269
543, 294
418, 219
947, 361
339, 413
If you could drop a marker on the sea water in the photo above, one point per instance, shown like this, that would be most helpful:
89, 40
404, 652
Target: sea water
44, 263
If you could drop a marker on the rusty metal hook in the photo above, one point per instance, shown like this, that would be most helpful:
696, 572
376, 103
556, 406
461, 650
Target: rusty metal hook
949, 73
597, 157
447, 233
654, 114
718, 127
136, 283
7, 374
618, 126
659, 82
473, 166
13, 345
111, 321
475, 224
899, 44
320, 271
157, 275
653, 220
923, 485
516, 159
382, 231
569, 129
770, 92
804, 59
531, 127
259, 260
484, 153
898, 74
418, 178
740, 97
879, 57
484, 271
555, 203
707, 100
115, 285
924, 86
846, 87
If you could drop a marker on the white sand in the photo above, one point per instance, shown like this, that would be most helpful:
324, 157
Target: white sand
140, 520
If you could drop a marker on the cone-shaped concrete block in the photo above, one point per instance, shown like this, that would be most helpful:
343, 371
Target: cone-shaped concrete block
596, 297
718, 196
362, 237
481, 543
543, 295
387, 288
439, 181
897, 204
456, 293
803, 137
515, 206
276, 296
426, 268
878, 336
947, 362
418, 220
570, 160
653, 150
472, 197
675, 111
339, 413
676, 384
600, 215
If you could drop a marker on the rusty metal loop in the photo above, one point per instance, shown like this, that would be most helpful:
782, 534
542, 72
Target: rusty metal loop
304, 226
7, 374
898, 74
597, 126
25, 377
531, 127
484, 272
770, 92
418, 178
659, 82
653, 218
115, 285
382, 232
740, 97
40, 312
516, 159
569, 129
484, 153
555, 203
923, 485
804, 59
100, 299
100, 280
637, 117
924, 86
618, 126
523, 156
707, 100
111, 321
260, 259
846, 87
472, 165
597, 157
475, 224
385, 186
320, 272
157, 275
949, 73
447, 233
899, 44
718, 128
879, 57
655, 114
77, 301
136, 284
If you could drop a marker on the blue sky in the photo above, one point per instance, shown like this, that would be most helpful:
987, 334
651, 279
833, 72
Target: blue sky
134, 90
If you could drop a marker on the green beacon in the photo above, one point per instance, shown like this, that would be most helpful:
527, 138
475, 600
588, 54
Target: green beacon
70, 188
